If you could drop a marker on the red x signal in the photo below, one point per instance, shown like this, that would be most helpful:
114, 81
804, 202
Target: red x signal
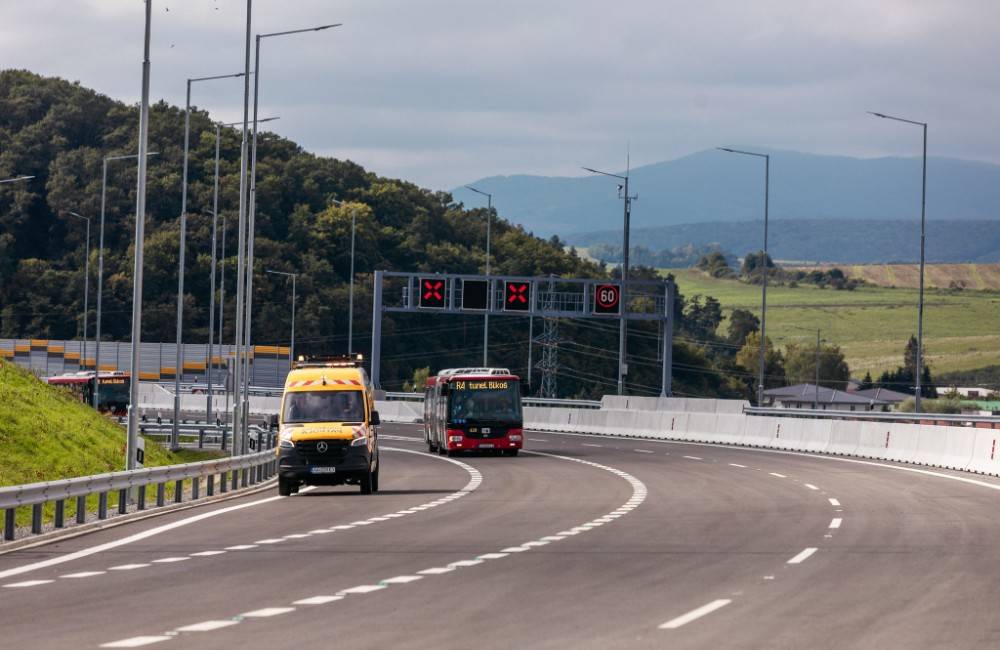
518, 296
432, 293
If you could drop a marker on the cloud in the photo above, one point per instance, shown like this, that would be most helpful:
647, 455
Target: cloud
442, 93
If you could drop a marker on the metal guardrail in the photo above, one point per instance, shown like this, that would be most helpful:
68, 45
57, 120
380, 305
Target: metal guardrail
233, 473
878, 416
526, 401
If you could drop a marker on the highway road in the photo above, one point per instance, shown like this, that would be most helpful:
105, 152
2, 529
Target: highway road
585, 542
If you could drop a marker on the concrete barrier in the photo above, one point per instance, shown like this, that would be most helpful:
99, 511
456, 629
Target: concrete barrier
761, 431
985, 453
845, 435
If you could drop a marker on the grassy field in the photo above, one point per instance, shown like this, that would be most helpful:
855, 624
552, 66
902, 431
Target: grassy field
980, 277
871, 324
46, 434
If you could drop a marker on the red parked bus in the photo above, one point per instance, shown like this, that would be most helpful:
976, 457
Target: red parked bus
113, 393
473, 409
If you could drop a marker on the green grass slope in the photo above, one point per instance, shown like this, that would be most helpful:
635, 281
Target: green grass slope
46, 434
871, 324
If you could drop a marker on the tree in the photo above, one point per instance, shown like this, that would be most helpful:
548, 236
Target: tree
754, 262
748, 358
800, 366
910, 356
702, 319
419, 380
867, 382
741, 324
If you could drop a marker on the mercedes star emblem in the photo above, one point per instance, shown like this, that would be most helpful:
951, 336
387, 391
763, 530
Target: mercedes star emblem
321, 447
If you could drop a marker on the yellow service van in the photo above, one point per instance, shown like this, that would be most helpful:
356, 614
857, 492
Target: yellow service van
328, 427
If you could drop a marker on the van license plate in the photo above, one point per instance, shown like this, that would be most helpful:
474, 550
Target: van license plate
323, 470
486, 445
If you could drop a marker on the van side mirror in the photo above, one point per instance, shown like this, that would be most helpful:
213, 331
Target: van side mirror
375, 419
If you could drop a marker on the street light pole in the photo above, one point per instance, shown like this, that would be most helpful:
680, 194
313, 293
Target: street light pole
350, 290
140, 221
486, 316
291, 348
816, 398
763, 286
86, 294
251, 213
179, 369
623, 193
100, 264
923, 237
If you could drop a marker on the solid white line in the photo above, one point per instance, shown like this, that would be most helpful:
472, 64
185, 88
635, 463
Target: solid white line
272, 540
241, 547
437, 570
206, 626
463, 563
361, 589
834, 502
318, 600
737, 465
401, 580
27, 583
811, 486
803, 556
267, 612
695, 614
207, 553
644, 451
170, 560
775, 474
136, 641
692, 457
835, 522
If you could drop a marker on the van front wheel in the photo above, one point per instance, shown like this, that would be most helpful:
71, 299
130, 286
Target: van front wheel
375, 479
366, 482
284, 487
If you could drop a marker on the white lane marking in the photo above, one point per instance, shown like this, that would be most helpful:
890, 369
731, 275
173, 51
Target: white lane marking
438, 570
803, 556
270, 540
297, 536
27, 583
835, 522
643, 451
267, 612
491, 556
693, 457
834, 502
514, 549
136, 641
811, 486
206, 626
318, 600
590, 444
207, 553
361, 589
401, 580
128, 567
320, 531
695, 614
241, 547
537, 440
464, 563
737, 465
171, 560
777, 475
82, 574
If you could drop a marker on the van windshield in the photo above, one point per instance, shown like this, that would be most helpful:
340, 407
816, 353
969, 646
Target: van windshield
324, 406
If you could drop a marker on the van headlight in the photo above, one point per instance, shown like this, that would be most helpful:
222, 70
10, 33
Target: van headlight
285, 439
358, 438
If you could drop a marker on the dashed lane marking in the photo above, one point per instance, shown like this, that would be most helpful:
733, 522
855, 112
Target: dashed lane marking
27, 583
777, 475
695, 614
834, 503
835, 522
693, 457
82, 574
136, 642
803, 555
267, 612
207, 626
737, 465
811, 486
643, 451
317, 600
590, 444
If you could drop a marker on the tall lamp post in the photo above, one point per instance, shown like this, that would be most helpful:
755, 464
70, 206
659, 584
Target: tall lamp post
100, 263
923, 233
622, 324
486, 316
763, 286
350, 290
247, 278
86, 294
179, 369
291, 348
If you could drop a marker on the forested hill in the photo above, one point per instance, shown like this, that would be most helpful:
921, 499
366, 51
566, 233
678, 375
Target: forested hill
60, 132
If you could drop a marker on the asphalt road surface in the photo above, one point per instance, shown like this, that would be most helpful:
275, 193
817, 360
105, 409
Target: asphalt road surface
585, 542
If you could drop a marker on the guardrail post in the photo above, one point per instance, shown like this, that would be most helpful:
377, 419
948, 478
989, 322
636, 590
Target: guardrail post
60, 520
236, 479
122, 501
210, 485
8, 523
178, 491
102, 505
195, 485
36, 518
201, 438
81, 509
141, 500
243, 477
223, 484
161, 494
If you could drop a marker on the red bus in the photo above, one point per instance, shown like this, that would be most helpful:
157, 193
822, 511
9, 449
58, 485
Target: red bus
113, 393
473, 409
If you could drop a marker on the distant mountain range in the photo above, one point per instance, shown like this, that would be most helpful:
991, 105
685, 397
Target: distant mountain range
866, 206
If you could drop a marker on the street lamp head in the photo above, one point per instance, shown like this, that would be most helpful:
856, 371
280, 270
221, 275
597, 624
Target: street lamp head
322, 27
876, 114
725, 149
80, 216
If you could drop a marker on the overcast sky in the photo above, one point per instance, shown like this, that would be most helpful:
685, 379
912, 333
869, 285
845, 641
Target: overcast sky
445, 92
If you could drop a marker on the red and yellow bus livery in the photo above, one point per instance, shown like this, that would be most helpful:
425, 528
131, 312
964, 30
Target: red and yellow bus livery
473, 409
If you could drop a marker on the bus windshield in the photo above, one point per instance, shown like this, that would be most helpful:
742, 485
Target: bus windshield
484, 400
324, 406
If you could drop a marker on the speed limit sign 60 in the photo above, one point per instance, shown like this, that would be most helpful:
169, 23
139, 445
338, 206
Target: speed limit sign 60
607, 299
